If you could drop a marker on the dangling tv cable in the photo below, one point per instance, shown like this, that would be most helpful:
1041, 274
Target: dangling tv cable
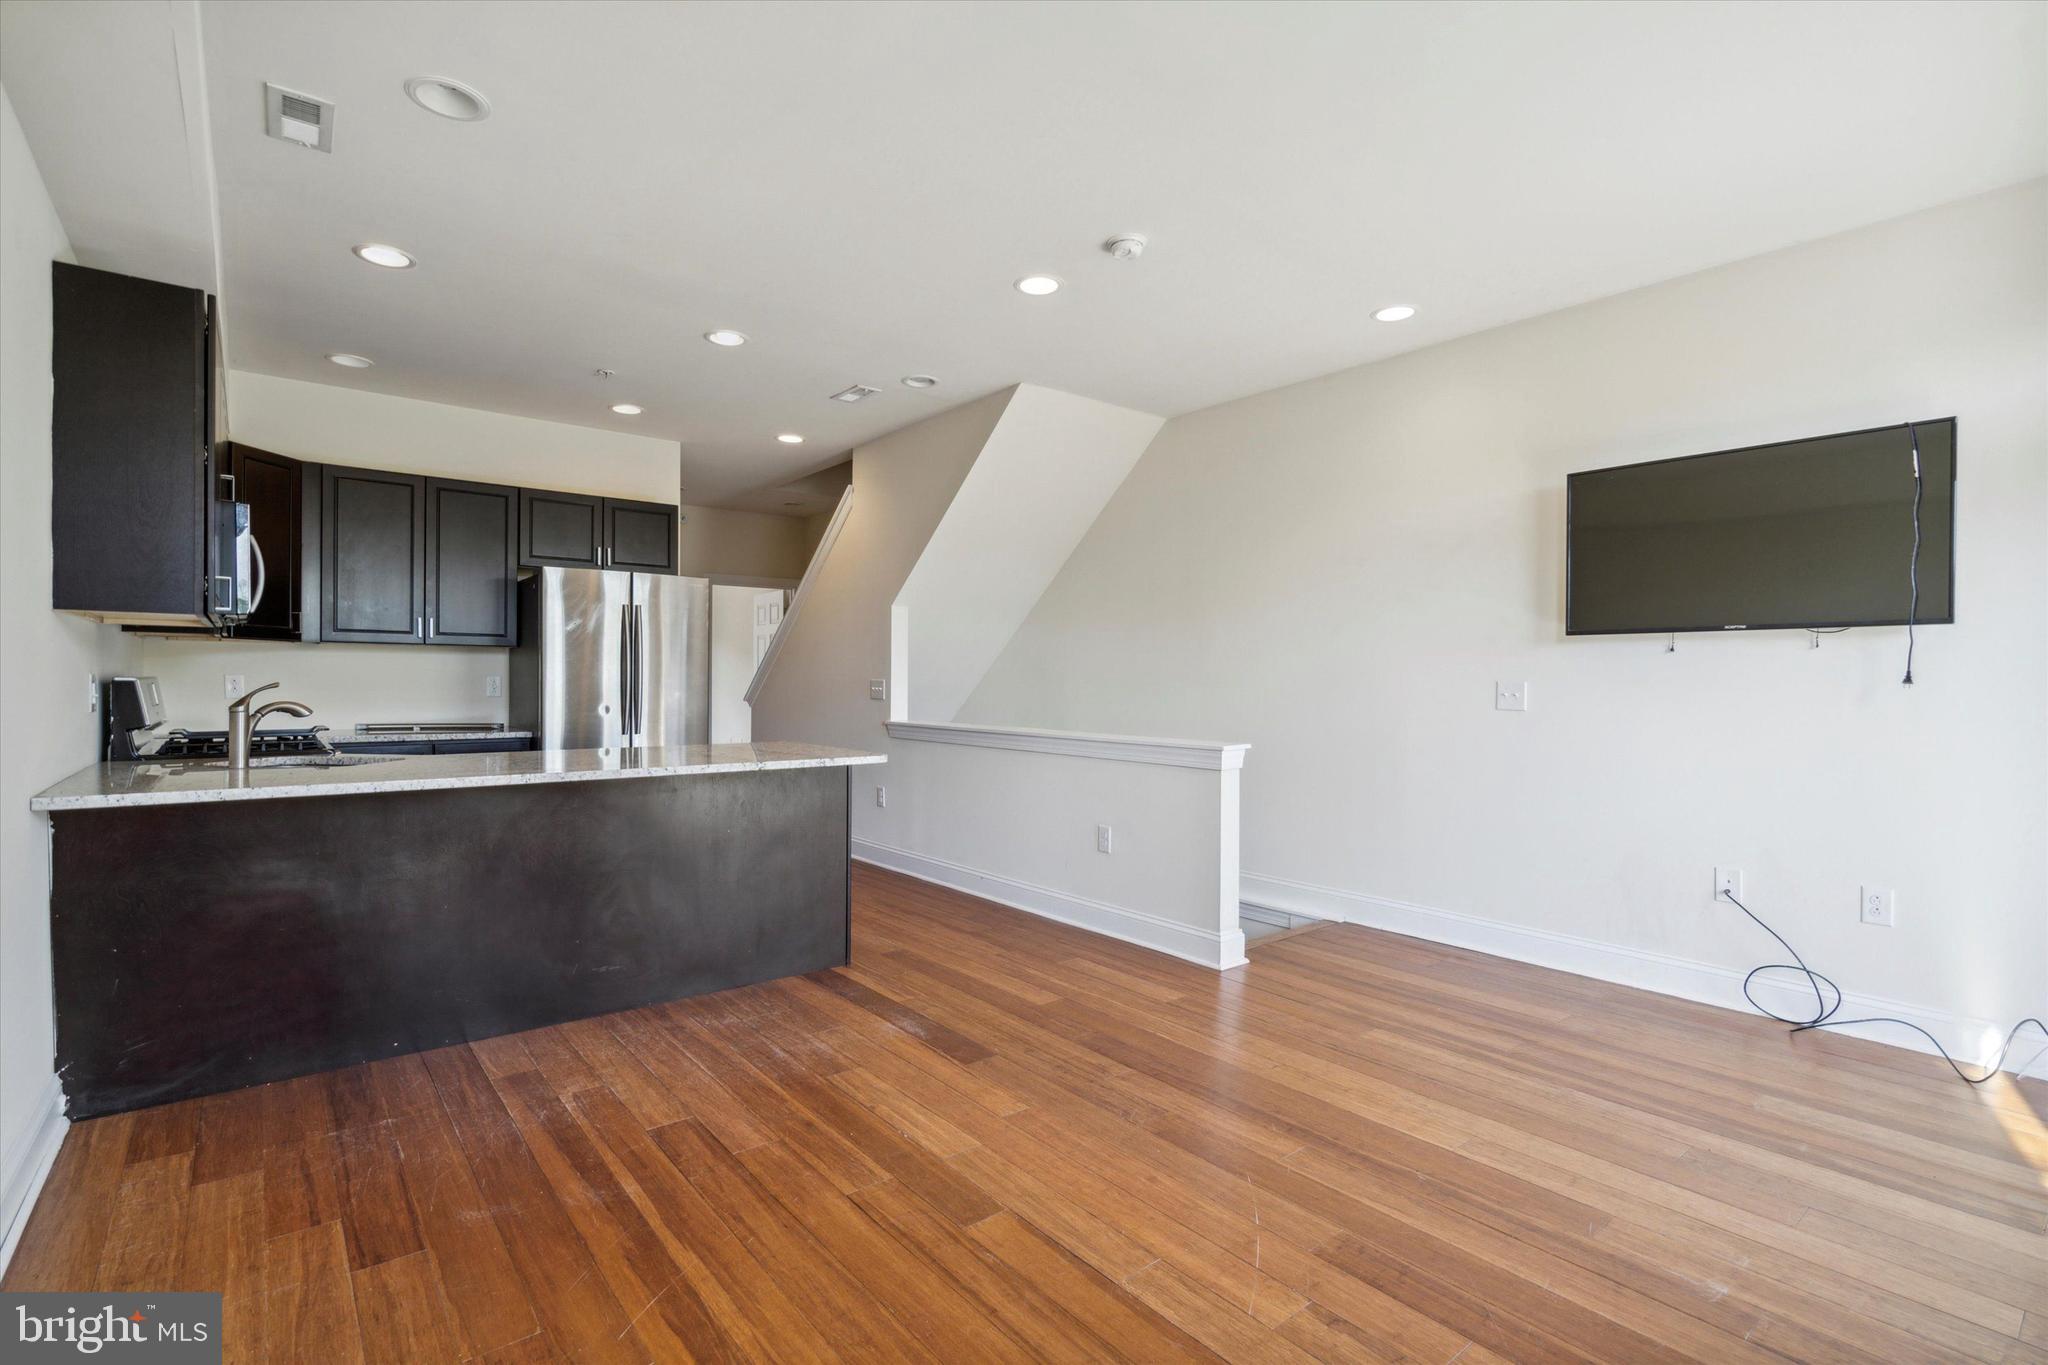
1913, 564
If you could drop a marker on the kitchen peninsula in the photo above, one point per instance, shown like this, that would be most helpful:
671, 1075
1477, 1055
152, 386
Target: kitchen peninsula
213, 928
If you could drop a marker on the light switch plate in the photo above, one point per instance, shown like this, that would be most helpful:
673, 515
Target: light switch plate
878, 689
1102, 839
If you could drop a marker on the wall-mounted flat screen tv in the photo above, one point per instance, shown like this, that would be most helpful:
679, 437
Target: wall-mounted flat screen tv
1812, 534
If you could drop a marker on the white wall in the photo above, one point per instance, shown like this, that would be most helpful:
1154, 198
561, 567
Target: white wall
737, 544
46, 658
732, 662
350, 684
1015, 826
1045, 472
1338, 572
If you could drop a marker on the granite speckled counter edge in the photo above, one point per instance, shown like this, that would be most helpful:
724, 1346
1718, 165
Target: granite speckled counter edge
112, 786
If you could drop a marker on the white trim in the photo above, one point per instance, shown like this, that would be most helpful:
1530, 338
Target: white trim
1205, 947
1172, 753
803, 589
28, 1166
1704, 982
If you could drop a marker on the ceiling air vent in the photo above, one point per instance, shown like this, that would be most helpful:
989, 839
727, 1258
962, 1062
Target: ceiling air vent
299, 119
854, 393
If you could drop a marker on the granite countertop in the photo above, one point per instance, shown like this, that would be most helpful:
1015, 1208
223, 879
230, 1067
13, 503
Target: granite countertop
106, 786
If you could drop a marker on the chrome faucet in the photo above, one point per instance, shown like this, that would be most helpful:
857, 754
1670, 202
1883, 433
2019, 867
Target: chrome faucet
242, 722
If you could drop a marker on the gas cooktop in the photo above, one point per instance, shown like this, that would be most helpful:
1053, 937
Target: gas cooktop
214, 743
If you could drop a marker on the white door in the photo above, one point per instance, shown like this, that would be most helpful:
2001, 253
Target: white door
767, 619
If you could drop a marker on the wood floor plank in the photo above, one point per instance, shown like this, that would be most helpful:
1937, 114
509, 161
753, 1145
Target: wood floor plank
491, 1303
568, 1293
61, 1245
308, 1299
221, 1251
994, 1137
141, 1250
403, 1315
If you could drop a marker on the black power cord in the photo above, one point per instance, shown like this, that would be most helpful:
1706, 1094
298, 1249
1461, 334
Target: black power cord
1824, 1013
1913, 564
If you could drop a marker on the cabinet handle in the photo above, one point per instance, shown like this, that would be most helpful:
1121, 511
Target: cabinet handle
430, 627
416, 628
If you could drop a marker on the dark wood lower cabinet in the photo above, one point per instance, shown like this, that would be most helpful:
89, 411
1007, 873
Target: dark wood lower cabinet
204, 947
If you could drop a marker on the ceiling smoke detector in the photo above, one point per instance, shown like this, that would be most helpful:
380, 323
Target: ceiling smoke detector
853, 393
302, 120
449, 99
1126, 246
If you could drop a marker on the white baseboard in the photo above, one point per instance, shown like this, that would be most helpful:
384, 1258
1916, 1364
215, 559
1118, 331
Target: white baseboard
1207, 947
27, 1166
1703, 982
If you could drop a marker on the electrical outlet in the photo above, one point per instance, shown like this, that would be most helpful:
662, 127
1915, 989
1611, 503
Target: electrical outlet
92, 693
1102, 844
1879, 906
878, 689
1727, 882
1511, 696
494, 686
232, 685
882, 797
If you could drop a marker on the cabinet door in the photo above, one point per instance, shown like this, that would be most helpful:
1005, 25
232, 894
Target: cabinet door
472, 565
640, 536
131, 488
272, 485
560, 530
372, 556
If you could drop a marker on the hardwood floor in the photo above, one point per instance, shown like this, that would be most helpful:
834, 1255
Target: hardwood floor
996, 1138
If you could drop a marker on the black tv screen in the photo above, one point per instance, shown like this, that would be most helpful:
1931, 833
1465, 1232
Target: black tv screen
1801, 534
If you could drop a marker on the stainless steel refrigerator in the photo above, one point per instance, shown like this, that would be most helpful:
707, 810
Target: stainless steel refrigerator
612, 660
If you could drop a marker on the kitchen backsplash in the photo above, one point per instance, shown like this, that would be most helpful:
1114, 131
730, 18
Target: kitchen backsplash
344, 684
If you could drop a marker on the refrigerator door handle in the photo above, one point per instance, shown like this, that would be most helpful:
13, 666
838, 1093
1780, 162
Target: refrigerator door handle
639, 667
625, 677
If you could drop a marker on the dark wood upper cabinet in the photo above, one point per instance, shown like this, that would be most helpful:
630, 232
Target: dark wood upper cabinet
274, 487
640, 536
560, 530
472, 589
373, 532
131, 475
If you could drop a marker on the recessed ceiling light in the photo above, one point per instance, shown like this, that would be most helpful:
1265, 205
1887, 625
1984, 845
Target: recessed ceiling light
1399, 312
626, 409
726, 336
390, 257
919, 381
352, 362
1038, 286
449, 99
790, 438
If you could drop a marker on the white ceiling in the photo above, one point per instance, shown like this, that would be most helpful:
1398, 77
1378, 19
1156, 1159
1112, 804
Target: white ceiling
856, 185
